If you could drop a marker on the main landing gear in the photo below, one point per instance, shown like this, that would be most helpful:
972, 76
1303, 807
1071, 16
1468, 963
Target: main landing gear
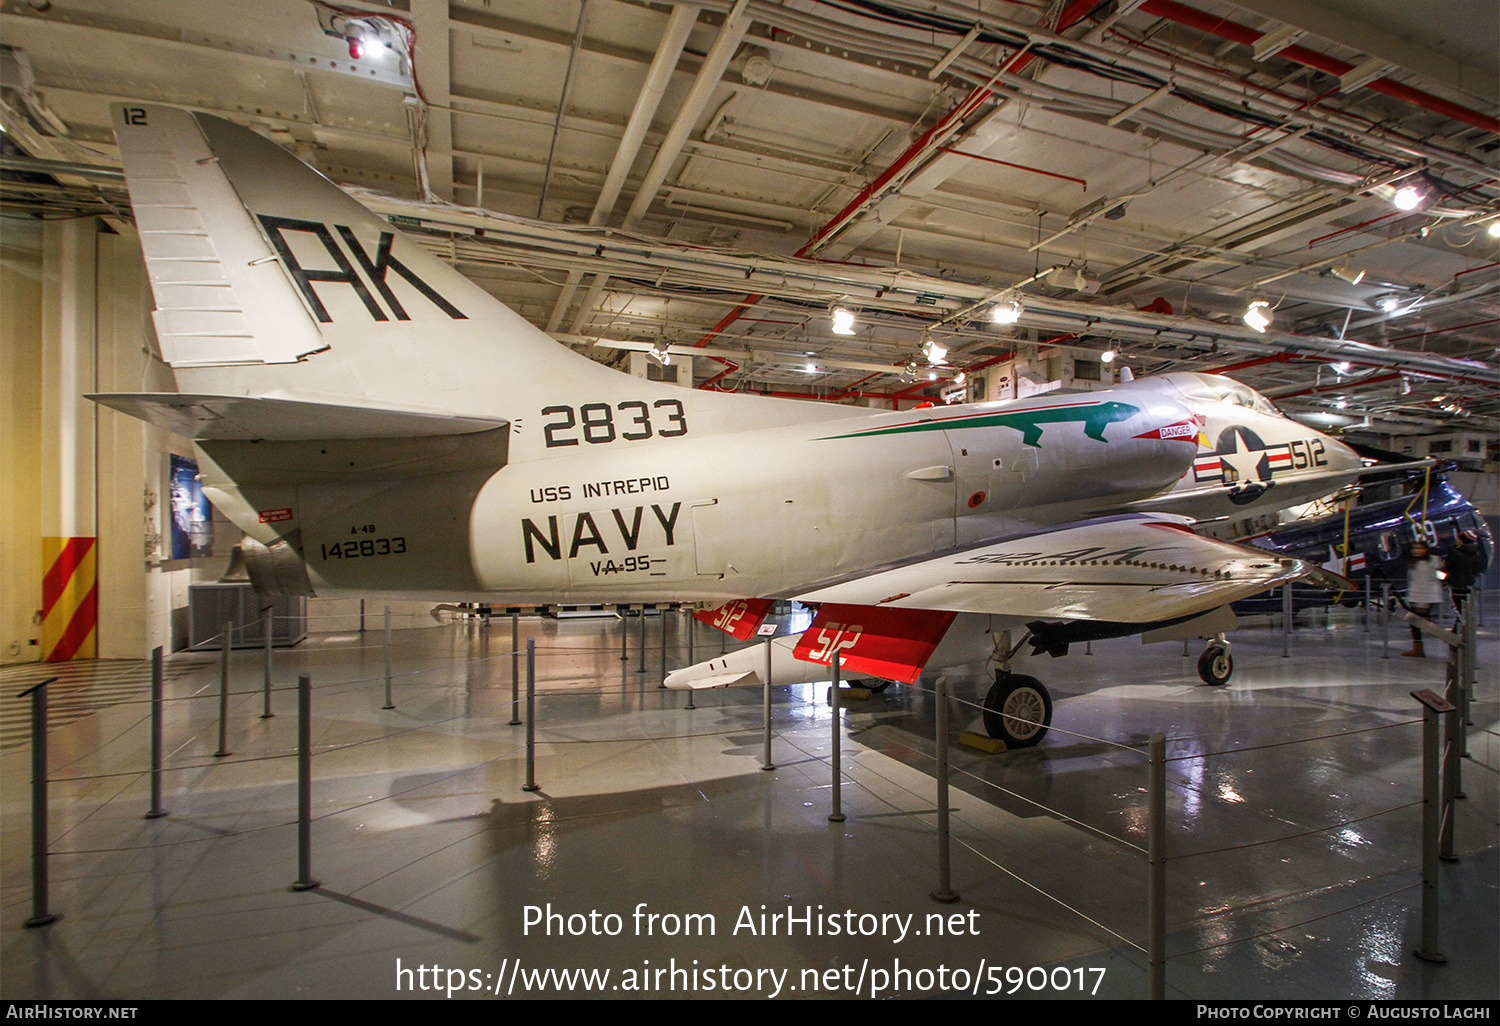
1017, 710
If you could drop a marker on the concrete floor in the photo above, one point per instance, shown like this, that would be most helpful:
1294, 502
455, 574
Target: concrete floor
430, 853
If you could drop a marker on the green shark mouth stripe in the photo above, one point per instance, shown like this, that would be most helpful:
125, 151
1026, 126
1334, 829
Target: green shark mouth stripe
1095, 417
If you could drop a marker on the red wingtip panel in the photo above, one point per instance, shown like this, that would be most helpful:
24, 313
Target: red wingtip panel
890, 643
738, 618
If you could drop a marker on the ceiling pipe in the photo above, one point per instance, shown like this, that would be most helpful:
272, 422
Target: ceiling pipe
710, 72
1226, 29
663, 65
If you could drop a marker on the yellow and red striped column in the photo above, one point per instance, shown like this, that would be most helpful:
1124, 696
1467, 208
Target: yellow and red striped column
70, 599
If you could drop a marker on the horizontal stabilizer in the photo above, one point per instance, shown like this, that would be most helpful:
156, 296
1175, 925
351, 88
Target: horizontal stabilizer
248, 418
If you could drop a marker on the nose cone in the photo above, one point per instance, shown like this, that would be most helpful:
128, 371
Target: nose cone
1340, 456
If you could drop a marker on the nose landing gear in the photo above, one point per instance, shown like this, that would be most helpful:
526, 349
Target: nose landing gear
1216, 665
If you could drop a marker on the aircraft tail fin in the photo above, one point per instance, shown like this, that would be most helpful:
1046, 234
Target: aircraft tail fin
271, 281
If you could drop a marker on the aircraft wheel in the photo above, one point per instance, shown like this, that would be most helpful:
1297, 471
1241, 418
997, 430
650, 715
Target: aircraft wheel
1017, 710
874, 685
1215, 665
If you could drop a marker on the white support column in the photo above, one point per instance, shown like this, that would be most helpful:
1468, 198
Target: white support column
69, 602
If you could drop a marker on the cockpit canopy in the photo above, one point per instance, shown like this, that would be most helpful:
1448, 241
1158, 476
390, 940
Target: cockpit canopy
1217, 388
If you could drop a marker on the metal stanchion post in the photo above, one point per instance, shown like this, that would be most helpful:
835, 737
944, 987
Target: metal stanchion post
1156, 842
305, 881
1385, 621
1367, 603
224, 692
692, 631
531, 784
663, 650
266, 618
1452, 786
837, 814
1184, 648
361, 616
642, 645
515, 669
625, 635
388, 703
766, 763
944, 892
1286, 620
40, 915
1432, 707
156, 706
1471, 666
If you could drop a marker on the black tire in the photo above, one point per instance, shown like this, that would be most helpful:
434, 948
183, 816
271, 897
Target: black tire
1024, 698
874, 685
1215, 665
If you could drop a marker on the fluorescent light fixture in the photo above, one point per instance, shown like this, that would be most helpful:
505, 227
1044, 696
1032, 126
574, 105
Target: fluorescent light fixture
843, 321
933, 352
1006, 312
1346, 273
1407, 197
1258, 315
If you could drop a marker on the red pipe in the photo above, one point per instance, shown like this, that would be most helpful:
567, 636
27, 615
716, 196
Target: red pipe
1442, 331
1022, 167
1226, 29
1255, 362
1336, 387
1354, 227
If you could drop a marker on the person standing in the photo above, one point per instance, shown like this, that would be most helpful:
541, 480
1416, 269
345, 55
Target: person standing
1424, 590
1463, 566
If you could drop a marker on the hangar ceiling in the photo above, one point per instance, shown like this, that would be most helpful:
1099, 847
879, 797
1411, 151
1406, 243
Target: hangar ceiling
717, 175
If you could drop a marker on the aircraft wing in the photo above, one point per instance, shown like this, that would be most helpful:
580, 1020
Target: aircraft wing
1135, 568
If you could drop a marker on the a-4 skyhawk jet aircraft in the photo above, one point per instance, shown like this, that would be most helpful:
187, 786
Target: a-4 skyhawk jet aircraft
377, 424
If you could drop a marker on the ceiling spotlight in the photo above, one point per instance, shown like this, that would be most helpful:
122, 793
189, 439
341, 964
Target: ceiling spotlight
1387, 303
1006, 312
932, 375
1494, 228
1342, 367
1407, 198
843, 321
1347, 273
659, 353
1258, 315
960, 378
1108, 356
933, 352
